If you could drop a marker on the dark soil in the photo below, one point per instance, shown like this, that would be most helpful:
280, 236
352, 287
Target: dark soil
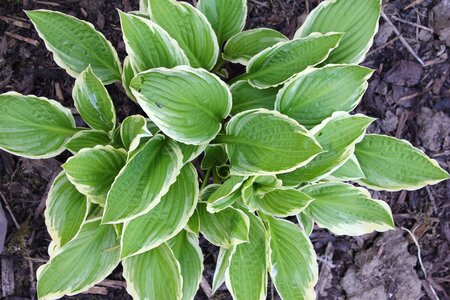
411, 101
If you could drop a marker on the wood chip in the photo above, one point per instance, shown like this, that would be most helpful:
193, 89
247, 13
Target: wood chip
22, 38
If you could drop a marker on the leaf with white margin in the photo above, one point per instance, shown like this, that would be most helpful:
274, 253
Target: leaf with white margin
76, 44
83, 262
133, 127
148, 45
66, 209
338, 136
221, 199
357, 19
347, 210
34, 127
146, 177
316, 93
193, 225
263, 142
93, 102
227, 17
223, 261
225, 228
246, 275
247, 97
391, 164
282, 202
127, 75
188, 253
87, 139
153, 275
351, 170
305, 223
190, 28
92, 171
277, 64
191, 152
187, 104
292, 260
166, 219
246, 44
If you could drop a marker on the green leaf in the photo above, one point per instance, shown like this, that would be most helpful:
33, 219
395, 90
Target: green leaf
315, 94
292, 260
153, 275
223, 261
357, 19
215, 155
66, 209
80, 264
351, 170
190, 28
87, 139
306, 223
277, 64
188, 253
76, 44
148, 45
227, 17
281, 202
133, 127
225, 228
391, 164
92, 171
226, 194
145, 178
127, 75
337, 135
193, 224
246, 44
263, 142
247, 97
345, 209
93, 101
166, 219
246, 276
187, 104
191, 152
34, 127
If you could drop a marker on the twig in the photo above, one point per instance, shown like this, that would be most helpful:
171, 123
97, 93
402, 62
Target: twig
15, 22
418, 250
46, 3
432, 199
402, 39
32, 280
382, 46
412, 24
206, 288
8, 208
416, 2
22, 38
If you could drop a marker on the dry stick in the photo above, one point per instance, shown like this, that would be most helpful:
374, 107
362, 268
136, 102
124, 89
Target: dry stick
416, 2
412, 24
206, 288
8, 208
22, 38
402, 39
382, 46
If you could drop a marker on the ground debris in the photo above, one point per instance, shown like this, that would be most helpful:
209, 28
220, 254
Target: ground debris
383, 271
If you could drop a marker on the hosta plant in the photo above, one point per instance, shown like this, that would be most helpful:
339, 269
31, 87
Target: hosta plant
276, 147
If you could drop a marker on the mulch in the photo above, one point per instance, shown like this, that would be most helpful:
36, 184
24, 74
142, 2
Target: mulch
409, 94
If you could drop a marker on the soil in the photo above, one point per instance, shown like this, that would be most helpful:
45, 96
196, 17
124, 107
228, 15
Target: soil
410, 100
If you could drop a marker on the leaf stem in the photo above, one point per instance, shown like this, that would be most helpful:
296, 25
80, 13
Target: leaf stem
205, 179
243, 76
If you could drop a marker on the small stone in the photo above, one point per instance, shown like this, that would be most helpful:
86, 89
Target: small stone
434, 129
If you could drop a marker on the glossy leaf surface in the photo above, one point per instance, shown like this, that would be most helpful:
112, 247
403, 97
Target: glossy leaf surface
391, 164
76, 44
345, 209
187, 104
33, 127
